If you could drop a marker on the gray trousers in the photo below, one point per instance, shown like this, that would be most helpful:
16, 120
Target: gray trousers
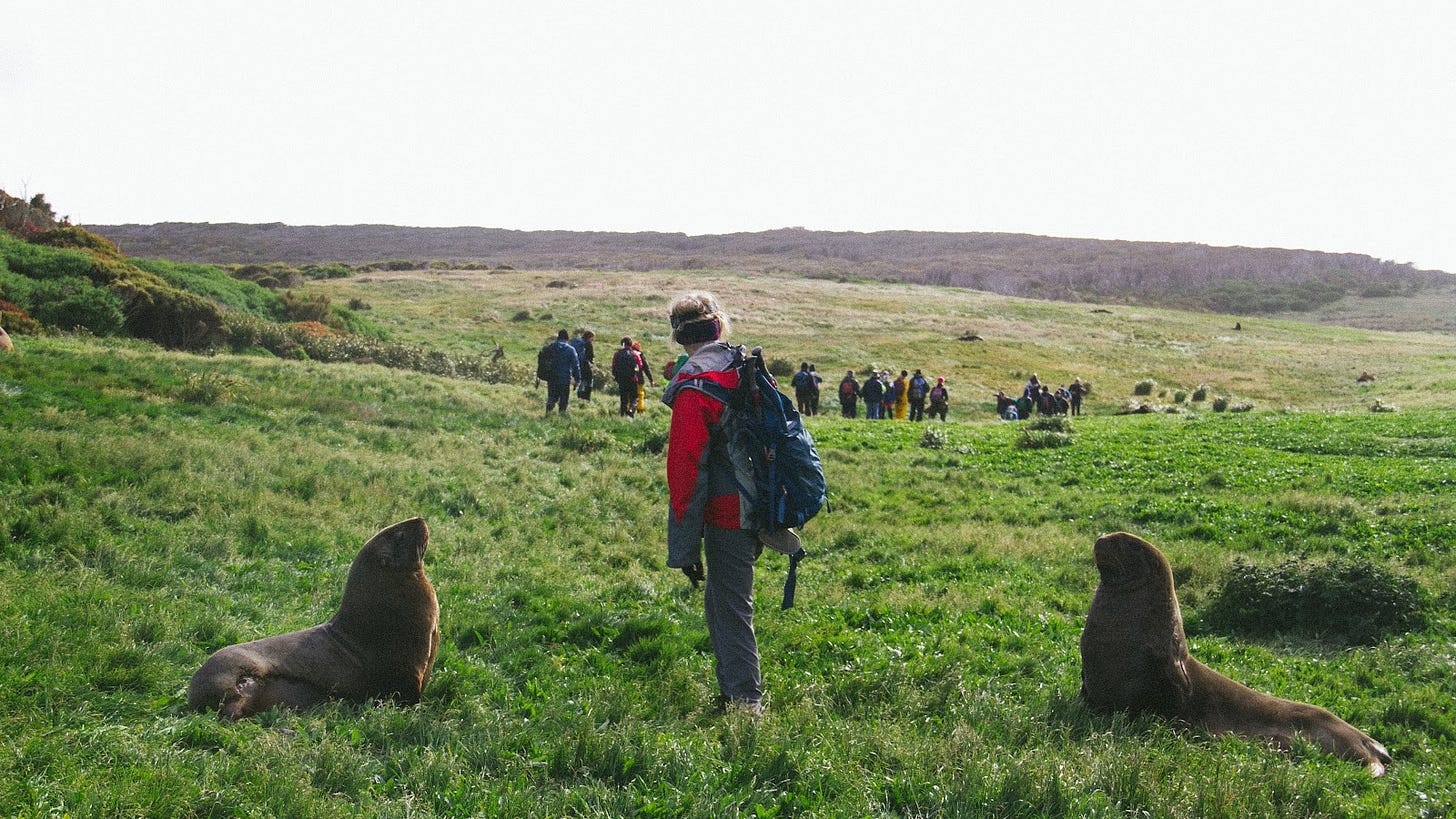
728, 607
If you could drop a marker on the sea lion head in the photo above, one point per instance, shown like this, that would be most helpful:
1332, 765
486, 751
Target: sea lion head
1134, 653
400, 547
389, 569
1126, 562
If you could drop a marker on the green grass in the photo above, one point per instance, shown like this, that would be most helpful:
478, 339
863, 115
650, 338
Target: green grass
155, 506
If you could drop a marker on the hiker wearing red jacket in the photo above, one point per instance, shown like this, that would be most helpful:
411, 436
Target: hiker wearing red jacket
707, 518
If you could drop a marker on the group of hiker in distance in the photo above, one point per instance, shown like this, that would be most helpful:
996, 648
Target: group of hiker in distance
566, 363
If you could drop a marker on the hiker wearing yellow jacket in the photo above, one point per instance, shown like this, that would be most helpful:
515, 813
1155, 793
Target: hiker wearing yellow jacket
901, 389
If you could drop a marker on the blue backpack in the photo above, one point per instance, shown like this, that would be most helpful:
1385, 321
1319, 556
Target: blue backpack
774, 459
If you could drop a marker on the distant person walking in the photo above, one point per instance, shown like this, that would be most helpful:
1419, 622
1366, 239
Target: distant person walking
939, 398
644, 374
873, 393
815, 381
919, 389
848, 395
901, 391
585, 357
1076, 391
626, 372
565, 370
803, 384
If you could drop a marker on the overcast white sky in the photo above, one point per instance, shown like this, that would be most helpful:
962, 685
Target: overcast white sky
1321, 125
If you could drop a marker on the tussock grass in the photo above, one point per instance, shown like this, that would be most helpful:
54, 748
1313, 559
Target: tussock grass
929, 668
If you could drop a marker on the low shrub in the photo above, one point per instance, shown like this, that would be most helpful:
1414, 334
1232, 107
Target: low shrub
934, 438
1042, 439
1050, 423
72, 303
206, 389
1200, 393
16, 321
1144, 387
1354, 601
1220, 403
78, 238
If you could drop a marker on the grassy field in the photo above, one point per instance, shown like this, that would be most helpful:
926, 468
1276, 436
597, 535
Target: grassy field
156, 506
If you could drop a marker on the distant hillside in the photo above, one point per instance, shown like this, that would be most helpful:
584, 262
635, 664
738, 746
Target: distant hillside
1225, 279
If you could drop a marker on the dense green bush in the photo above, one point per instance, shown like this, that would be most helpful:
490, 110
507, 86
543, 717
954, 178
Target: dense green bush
1349, 600
1050, 423
1248, 296
218, 285
73, 303
243, 333
1144, 387
306, 308
80, 239
153, 309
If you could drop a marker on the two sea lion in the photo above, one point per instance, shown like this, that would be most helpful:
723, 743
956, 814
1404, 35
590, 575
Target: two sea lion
1135, 659
380, 644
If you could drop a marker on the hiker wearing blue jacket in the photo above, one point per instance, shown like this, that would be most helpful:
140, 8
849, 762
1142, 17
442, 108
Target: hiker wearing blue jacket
565, 370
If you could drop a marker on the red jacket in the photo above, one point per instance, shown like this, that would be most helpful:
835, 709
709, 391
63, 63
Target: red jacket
700, 484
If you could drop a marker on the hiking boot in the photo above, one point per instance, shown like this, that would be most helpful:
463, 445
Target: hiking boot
728, 705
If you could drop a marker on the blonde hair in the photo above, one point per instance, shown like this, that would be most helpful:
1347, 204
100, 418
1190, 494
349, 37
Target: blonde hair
690, 308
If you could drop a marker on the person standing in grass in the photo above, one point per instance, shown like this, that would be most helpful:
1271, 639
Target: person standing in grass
939, 398
901, 390
918, 387
565, 371
625, 367
803, 384
1075, 393
585, 357
708, 521
848, 395
644, 374
873, 393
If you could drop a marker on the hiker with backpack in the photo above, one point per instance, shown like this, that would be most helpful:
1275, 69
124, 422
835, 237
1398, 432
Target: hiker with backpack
939, 398
803, 384
585, 357
917, 390
626, 371
644, 374
742, 472
558, 366
707, 512
873, 392
848, 395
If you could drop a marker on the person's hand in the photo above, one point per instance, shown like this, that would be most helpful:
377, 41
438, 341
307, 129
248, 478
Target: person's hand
694, 573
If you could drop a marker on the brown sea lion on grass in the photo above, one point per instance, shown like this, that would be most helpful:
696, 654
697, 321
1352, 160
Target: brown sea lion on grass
1135, 659
381, 643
